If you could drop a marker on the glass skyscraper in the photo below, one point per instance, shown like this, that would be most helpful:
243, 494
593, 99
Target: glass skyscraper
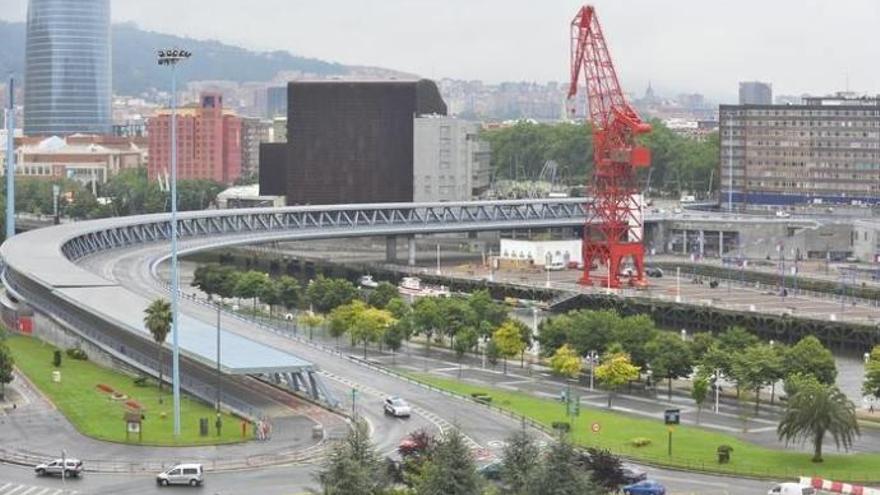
67, 67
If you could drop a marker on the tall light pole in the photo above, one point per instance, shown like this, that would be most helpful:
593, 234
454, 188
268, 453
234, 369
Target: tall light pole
10, 160
171, 58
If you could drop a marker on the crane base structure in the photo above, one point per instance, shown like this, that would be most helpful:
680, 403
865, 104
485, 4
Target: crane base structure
613, 230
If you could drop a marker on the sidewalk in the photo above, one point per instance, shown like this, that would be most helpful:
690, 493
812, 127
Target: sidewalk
33, 431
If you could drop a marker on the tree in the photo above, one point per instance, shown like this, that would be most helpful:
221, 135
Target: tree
566, 362
382, 295
670, 358
560, 474
615, 371
343, 318
6, 367
270, 293
809, 356
606, 470
634, 333
492, 352
426, 319
465, 340
815, 410
289, 292
450, 469
518, 466
393, 338
701, 342
871, 386
455, 315
206, 278
227, 280
353, 466
508, 337
311, 320
486, 310
736, 339
699, 392
325, 294
249, 286
756, 367
369, 325
157, 319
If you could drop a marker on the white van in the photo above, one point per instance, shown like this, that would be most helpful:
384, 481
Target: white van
791, 489
182, 474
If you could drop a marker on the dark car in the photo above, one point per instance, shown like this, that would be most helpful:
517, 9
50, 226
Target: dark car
647, 487
491, 471
654, 272
633, 474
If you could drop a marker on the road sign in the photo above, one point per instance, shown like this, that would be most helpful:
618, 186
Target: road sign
672, 416
596, 427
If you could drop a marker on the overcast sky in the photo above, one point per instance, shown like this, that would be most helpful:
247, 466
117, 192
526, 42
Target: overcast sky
812, 46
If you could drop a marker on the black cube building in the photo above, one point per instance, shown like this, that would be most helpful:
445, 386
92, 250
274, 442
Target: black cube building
348, 141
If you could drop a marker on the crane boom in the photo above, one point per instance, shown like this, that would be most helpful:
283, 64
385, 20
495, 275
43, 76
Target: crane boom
613, 229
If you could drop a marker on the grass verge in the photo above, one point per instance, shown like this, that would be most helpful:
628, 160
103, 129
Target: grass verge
96, 414
693, 448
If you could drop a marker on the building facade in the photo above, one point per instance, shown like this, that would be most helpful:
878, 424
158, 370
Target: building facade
208, 142
276, 102
755, 93
88, 159
253, 132
349, 141
824, 151
67, 67
450, 162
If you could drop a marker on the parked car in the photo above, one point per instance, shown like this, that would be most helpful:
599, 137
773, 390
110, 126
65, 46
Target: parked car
653, 271
646, 487
791, 489
633, 474
397, 407
555, 266
182, 474
491, 471
70, 467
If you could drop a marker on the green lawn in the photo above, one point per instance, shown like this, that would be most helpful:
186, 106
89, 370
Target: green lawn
96, 414
692, 447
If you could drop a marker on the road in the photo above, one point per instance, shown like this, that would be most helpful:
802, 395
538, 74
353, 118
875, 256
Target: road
132, 269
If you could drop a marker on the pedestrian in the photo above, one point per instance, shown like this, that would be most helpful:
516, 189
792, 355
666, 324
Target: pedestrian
871, 409
219, 424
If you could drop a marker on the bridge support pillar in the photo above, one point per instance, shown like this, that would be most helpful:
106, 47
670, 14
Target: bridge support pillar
720, 243
684, 242
391, 249
411, 250
702, 240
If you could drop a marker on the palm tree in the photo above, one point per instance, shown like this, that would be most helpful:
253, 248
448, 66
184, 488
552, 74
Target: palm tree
157, 319
816, 409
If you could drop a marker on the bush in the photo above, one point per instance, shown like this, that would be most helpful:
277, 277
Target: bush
77, 353
724, 453
140, 381
562, 426
640, 442
56, 359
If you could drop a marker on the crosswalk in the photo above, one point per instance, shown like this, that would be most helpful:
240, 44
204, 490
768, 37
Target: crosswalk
19, 489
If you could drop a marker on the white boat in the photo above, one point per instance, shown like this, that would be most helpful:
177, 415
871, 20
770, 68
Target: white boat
413, 287
367, 281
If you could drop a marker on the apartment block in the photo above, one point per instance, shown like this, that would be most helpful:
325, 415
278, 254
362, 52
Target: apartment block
826, 150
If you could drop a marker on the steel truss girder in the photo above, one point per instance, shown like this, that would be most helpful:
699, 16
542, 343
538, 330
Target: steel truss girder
467, 216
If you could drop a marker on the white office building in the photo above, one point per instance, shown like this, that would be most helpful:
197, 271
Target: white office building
450, 161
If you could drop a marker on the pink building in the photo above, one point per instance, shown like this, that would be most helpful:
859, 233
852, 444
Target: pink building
208, 142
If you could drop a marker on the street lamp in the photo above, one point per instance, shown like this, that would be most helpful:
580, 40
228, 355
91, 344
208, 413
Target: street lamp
592, 356
171, 58
684, 335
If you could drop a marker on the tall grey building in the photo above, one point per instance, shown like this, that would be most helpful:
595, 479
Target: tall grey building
826, 150
450, 161
755, 93
67, 67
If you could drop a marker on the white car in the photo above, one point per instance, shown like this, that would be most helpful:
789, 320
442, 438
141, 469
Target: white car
791, 489
397, 407
182, 474
71, 467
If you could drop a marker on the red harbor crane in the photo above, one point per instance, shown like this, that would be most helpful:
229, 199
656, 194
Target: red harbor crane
613, 229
